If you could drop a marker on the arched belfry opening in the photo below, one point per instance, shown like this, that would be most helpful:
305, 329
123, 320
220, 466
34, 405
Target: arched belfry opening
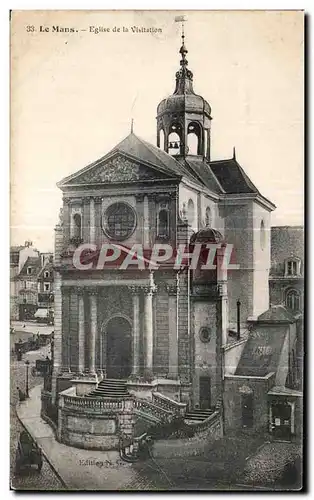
175, 139
195, 139
184, 117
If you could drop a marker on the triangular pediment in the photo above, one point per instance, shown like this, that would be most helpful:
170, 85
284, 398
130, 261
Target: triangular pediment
116, 168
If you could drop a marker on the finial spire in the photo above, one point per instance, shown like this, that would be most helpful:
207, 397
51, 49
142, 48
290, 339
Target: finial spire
234, 153
132, 123
184, 75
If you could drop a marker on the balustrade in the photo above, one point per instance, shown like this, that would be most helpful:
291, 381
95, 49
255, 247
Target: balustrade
205, 424
152, 409
93, 403
169, 404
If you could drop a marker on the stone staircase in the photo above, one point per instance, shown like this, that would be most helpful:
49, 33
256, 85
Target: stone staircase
110, 388
198, 415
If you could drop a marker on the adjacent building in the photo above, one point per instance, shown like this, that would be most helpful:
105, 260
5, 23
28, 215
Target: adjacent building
31, 283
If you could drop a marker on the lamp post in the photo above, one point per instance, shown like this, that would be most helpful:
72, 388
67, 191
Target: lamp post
238, 318
26, 385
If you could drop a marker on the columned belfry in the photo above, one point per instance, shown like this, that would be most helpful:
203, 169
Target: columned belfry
184, 118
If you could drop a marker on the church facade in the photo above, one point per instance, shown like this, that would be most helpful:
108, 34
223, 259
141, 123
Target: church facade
167, 327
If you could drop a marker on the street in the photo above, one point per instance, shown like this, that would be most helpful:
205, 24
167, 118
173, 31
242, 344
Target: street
30, 479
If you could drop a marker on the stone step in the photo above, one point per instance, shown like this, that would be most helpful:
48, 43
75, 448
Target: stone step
113, 387
108, 396
198, 415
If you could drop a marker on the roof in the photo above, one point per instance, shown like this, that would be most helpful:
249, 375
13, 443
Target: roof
203, 172
220, 177
261, 353
278, 390
276, 314
137, 148
34, 263
48, 266
232, 177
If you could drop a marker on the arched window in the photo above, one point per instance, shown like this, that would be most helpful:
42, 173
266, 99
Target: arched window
163, 224
208, 217
191, 212
262, 235
174, 139
194, 139
77, 226
293, 301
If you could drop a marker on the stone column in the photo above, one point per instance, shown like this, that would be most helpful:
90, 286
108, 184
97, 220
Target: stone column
148, 327
146, 227
136, 330
92, 220
97, 218
93, 332
81, 331
173, 331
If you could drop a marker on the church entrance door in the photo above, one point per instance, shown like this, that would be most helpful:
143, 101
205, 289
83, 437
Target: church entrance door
119, 348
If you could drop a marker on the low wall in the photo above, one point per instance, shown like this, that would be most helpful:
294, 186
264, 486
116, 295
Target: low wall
93, 423
235, 386
205, 433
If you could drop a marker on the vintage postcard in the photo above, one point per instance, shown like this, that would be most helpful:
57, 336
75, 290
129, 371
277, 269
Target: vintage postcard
156, 254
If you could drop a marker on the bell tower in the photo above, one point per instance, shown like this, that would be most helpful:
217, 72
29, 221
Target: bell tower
184, 118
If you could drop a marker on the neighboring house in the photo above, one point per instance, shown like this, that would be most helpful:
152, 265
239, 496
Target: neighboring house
26, 287
286, 278
18, 258
31, 282
45, 282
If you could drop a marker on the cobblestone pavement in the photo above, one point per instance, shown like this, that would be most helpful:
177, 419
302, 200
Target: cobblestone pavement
267, 465
31, 479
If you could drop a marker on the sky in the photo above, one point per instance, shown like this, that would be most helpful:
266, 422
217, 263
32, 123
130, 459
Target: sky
73, 96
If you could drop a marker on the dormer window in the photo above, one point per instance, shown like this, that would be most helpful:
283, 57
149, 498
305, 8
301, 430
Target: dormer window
292, 267
46, 274
29, 270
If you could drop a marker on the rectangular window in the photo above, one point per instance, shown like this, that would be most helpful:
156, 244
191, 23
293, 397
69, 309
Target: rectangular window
47, 287
29, 270
292, 268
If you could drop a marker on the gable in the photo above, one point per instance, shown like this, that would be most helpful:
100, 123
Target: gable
118, 168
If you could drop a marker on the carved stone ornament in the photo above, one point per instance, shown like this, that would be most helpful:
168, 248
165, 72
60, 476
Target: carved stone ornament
116, 170
244, 389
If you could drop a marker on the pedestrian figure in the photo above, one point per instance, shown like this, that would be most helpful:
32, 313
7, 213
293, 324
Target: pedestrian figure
19, 355
22, 395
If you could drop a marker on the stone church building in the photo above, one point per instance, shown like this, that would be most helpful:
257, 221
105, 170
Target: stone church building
172, 330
